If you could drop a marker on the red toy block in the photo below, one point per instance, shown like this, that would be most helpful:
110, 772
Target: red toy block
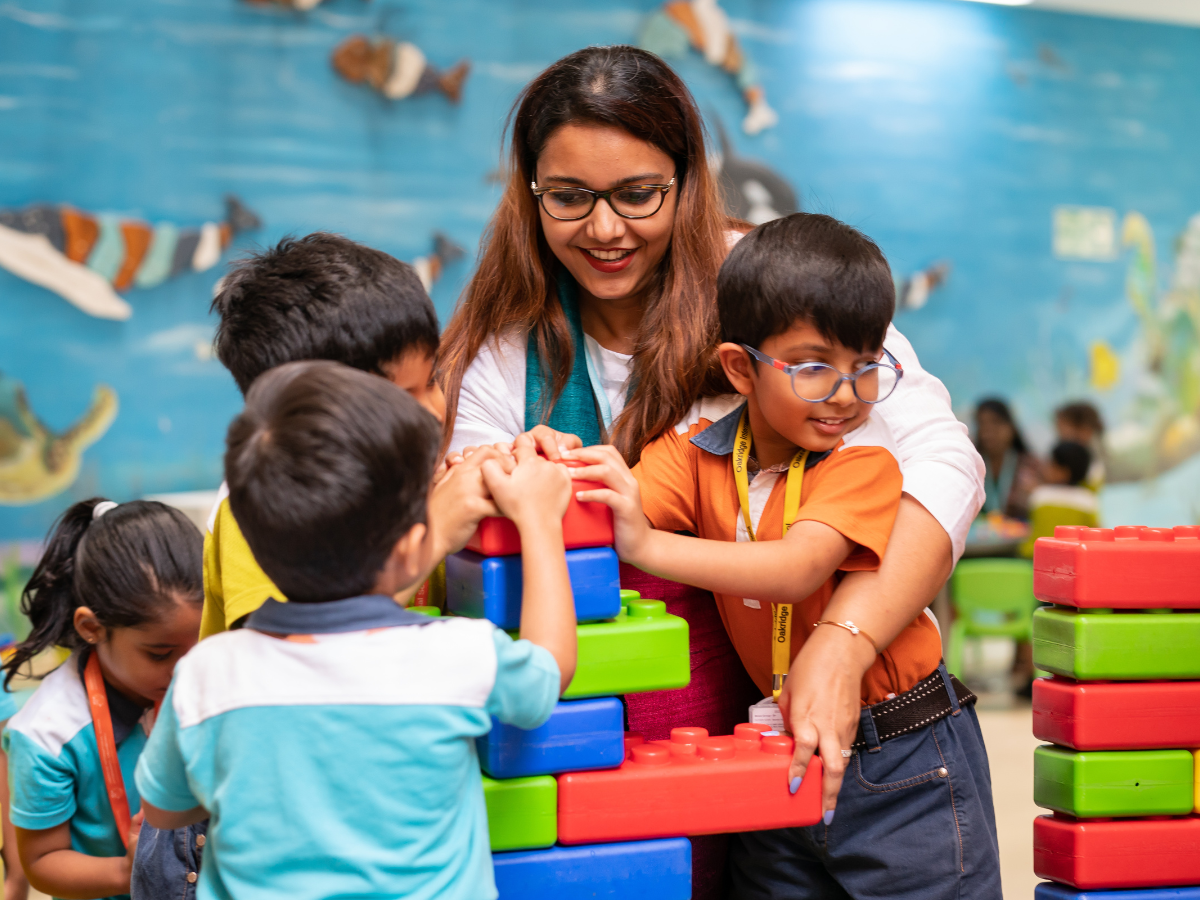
584, 525
692, 784
1119, 568
1119, 853
1140, 715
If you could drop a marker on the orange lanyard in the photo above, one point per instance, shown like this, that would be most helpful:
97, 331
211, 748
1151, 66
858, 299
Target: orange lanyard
93, 679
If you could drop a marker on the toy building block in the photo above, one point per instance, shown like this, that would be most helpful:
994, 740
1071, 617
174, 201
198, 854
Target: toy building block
431, 611
1196, 781
631, 871
692, 784
521, 812
1148, 715
584, 525
1122, 853
1048, 890
580, 734
1095, 783
1119, 568
489, 587
643, 649
1107, 646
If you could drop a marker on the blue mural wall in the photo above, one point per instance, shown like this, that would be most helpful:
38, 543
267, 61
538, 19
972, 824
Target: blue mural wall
945, 130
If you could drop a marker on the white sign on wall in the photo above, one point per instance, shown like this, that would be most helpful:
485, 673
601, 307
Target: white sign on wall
1085, 232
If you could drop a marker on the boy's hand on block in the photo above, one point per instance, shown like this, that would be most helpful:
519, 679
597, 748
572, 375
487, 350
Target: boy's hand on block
458, 502
530, 490
633, 534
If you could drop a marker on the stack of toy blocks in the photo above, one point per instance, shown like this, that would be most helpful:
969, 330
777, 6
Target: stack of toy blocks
578, 808
1122, 711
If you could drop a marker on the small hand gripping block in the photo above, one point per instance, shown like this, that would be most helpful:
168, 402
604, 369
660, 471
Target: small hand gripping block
691, 784
584, 525
1121, 853
628, 871
1119, 568
1145, 715
1049, 891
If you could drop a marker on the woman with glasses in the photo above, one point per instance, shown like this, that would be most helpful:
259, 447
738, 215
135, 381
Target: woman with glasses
592, 318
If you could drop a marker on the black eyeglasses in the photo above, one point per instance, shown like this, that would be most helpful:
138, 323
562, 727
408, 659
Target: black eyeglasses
815, 382
630, 201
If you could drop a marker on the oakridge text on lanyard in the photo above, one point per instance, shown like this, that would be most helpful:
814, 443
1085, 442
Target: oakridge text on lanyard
781, 613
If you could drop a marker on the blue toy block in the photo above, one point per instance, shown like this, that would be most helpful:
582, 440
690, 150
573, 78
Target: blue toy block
1048, 890
580, 734
661, 870
489, 587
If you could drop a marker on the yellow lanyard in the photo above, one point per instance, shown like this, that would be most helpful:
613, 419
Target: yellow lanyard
781, 613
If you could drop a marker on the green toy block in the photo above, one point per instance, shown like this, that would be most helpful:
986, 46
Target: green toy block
431, 611
1109, 783
1108, 646
522, 812
642, 649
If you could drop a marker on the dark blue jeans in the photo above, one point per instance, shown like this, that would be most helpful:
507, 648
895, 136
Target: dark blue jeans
166, 864
914, 821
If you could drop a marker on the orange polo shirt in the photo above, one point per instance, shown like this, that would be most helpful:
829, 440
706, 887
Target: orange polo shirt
687, 484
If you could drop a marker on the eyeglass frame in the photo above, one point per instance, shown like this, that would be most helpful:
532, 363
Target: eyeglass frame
597, 196
791, 370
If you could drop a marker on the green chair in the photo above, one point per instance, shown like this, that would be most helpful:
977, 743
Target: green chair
992, 598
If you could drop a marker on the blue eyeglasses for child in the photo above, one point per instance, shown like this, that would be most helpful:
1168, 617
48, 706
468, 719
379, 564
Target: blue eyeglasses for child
815, 382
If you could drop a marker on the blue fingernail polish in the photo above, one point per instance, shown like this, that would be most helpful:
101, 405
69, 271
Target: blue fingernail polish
795, 783
828, 816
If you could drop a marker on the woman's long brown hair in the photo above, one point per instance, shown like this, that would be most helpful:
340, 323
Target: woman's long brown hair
674, 361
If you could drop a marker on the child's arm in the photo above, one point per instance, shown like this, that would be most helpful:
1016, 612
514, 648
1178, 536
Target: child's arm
54, 868
169, 820
783, 571
534, 493
16, 886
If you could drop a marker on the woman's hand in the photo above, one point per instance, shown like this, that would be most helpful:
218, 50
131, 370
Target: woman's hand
621, 493
821, 705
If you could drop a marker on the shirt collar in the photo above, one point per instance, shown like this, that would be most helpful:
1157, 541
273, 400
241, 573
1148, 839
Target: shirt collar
719, 437
333, 617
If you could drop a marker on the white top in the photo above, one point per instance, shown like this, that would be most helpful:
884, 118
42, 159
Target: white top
942, 471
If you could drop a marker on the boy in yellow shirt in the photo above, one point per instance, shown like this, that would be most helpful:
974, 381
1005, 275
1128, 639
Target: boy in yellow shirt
326, 297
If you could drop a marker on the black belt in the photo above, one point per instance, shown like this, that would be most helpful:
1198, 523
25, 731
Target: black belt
917, 707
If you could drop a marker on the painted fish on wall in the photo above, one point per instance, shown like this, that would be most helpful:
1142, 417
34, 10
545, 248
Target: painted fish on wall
397, 69
86, 259
704, 26
35, 462
753, 190
429, 268
294, 4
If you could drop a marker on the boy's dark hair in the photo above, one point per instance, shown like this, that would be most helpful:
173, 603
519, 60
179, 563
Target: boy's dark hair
1073, 457
1081, 414
808, 267
320, 297
128, 566
327, 468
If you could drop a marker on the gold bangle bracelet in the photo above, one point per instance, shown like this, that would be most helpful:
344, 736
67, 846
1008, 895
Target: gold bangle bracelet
850, 627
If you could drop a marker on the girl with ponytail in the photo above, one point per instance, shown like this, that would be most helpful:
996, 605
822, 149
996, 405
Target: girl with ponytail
120, 586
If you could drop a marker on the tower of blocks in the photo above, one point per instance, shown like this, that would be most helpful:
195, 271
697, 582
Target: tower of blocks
1121, 713
578, 808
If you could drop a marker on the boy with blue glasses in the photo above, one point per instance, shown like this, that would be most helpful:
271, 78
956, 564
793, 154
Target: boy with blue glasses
764, 497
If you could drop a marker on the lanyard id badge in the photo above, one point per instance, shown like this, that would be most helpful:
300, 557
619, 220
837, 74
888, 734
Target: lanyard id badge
781, 613
106, 742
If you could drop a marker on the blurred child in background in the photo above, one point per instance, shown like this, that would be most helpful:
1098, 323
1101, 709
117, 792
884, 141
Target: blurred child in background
1012, 471
120, 587
1080, 423
1063, 498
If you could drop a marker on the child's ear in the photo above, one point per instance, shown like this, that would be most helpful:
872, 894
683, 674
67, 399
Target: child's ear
738, 367
88, 626
406, 562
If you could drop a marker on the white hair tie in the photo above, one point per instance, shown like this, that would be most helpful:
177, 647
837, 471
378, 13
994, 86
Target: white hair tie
101, 508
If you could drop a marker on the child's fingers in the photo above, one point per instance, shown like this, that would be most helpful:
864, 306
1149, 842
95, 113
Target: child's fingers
607, 496
595, 454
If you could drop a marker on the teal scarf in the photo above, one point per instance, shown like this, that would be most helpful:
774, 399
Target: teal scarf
575, 412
